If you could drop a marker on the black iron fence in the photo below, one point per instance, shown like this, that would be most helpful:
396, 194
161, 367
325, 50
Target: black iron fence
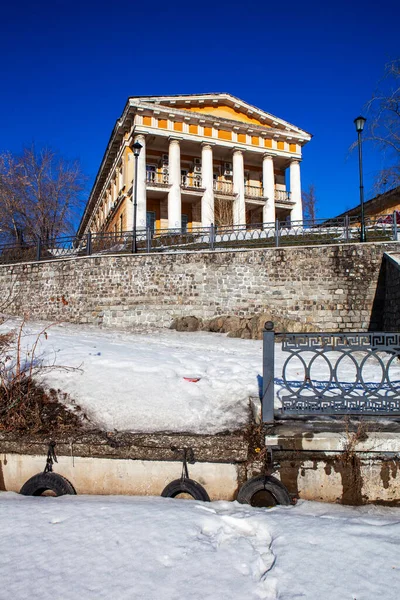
261, 235
330, 374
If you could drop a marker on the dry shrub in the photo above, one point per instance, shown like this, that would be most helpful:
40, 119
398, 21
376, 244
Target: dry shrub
30, 408
26, 405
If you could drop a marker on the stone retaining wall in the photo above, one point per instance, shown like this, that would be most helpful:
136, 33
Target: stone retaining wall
331, 287
392, 293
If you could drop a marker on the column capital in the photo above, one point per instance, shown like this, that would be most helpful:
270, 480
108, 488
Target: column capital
207, 144
139, 136
295, 161
268, 155
237, 150
173, 139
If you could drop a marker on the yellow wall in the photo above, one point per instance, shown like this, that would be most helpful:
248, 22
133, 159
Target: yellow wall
226, 112
116, 219
224, 135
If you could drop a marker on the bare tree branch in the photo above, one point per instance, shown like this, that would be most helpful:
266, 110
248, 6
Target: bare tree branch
40, 195
309, 200
383, 124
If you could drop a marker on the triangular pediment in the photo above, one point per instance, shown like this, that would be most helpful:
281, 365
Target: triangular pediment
221, 106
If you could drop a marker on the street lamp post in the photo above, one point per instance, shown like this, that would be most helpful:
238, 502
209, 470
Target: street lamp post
136, 151
359, 123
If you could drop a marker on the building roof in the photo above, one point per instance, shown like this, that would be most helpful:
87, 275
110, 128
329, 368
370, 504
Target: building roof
193, 100
378, 203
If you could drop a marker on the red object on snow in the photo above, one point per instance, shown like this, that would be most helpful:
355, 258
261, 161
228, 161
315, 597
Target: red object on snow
192, 379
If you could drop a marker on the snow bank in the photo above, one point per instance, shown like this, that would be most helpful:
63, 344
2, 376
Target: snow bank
136, 382
88, 547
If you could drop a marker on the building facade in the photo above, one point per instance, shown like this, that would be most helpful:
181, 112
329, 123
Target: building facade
380, 207
207, 158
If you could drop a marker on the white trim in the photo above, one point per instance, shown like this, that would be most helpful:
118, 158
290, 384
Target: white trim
215, 98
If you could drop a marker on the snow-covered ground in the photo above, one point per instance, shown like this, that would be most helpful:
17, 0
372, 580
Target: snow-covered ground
139, 381
136, 381
104, 547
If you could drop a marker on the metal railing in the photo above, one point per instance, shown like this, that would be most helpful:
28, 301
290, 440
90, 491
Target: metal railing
223, 187
261, 235
331, 374
253, 191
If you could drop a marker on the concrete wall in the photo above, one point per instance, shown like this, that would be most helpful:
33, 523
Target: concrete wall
333, 287
392, 293
120, 476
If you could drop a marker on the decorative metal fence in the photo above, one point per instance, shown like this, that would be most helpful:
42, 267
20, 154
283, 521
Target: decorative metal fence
258, 235
330, 374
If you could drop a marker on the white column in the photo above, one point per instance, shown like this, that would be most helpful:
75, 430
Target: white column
239, 209
128, 182
269, 189
174, 194
295, 191
207, 201
141, 184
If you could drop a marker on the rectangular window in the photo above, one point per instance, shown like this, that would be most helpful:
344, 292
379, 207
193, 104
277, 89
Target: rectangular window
151, 220
184, 223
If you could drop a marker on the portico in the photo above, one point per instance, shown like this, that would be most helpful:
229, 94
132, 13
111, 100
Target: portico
206, 159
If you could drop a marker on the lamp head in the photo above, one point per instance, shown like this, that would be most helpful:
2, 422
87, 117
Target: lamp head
137, 148
359, 123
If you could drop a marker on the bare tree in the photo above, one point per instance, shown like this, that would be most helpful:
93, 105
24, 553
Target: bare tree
383, 124
223, 212
40, 194
309, 200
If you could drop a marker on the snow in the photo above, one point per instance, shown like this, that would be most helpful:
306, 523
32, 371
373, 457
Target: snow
136, 381
102, 547
140, 382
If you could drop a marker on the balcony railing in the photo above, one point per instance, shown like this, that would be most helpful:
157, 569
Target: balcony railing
223, 187
254, 191
282, 196
157, 178
191, 181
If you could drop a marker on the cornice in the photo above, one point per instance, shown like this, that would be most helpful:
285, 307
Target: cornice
211, 120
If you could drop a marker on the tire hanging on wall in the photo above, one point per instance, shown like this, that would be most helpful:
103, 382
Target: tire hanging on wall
185, 486
264, 490
43, 482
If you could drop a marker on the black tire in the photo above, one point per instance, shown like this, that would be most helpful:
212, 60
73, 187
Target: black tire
264, 490
185, 486
43, 482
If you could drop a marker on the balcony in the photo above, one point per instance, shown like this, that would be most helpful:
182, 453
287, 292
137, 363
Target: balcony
223, 188
254, 192
157, 179
283, 197
191, 183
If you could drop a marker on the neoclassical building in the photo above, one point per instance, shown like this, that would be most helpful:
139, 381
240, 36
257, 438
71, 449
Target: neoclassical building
205, 158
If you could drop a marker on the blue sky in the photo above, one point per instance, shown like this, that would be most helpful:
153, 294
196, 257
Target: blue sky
67, 69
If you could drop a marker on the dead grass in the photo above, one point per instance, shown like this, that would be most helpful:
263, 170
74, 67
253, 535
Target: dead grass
30, 408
